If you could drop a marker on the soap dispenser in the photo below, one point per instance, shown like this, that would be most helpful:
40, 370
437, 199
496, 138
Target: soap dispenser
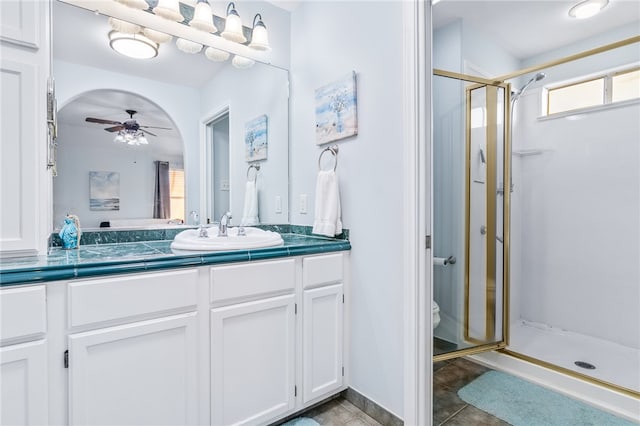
70, 232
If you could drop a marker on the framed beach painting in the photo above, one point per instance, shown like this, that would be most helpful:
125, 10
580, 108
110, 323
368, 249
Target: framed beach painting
104, 191
336, 110
255, 139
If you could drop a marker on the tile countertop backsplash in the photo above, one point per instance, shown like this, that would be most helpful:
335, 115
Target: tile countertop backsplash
138, 254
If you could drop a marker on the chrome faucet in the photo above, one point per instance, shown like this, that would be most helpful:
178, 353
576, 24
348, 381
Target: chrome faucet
224, 223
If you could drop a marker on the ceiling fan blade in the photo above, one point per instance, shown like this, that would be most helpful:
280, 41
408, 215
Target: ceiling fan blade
156, 127
146, 132
101, 121
115, 128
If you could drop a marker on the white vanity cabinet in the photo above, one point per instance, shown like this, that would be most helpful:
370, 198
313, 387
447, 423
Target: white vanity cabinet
323, 326
253, 332
23, 356
127, 369
24, 180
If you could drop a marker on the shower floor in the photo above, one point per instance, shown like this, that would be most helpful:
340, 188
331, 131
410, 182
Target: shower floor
614, 363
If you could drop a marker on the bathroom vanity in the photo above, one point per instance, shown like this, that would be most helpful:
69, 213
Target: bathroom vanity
239, 337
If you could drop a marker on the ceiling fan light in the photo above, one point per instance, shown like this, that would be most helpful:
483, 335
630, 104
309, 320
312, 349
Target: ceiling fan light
203, 17
241, 62
124, 26
135, 4
188, 46
142, 140
119, 138
233, 26
157, 36
135, 46
216, 55
169, 9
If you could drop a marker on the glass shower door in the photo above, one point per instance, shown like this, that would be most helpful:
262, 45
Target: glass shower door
470, 232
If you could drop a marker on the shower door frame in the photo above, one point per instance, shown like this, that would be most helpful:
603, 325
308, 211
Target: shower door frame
490, 305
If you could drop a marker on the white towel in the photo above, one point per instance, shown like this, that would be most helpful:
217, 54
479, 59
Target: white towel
327, 210
250, 213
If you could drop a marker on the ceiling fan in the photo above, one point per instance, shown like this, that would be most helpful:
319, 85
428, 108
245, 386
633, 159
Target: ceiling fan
130, 126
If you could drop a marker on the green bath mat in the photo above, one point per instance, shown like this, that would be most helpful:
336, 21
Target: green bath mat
524, 404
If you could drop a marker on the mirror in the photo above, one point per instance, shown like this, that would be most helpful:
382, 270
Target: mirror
178, 95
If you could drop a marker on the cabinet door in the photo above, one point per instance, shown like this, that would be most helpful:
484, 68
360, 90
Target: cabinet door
143, 373
23, 387
252, 361
322, 341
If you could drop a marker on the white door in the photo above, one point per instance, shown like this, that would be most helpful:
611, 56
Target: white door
23, 397
322, 341
252, 361
143, 373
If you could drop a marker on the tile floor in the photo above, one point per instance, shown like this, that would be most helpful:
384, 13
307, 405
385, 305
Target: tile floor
448, 408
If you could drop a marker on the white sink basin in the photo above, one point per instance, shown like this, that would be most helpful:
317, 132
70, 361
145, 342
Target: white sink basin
254, 238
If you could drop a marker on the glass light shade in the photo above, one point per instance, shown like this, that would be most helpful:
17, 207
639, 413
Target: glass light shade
157, 36
142, 140
259, 37
587, 9
203, 17
124, 26
133, 45
135, 4
119, 138
241, 62
169, 9
188, 46
216, 55
233, 28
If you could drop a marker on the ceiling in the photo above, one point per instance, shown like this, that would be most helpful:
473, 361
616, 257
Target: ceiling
527, 28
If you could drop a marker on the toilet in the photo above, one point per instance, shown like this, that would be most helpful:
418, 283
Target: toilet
436, 314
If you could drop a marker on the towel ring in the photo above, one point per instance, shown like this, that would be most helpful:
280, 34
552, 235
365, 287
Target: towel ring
333, 150
257, 168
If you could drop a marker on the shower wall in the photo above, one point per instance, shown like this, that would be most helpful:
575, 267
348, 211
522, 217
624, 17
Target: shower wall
576, 228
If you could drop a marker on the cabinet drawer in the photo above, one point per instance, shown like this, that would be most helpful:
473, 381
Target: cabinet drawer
112, 298
23, 312
321, 270
255, 279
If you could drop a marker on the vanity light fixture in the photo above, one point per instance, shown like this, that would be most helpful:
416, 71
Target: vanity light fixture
157, 36
587, 8
188, 46
241, 62
216, 55
203, 17
169, 9
135, 4
259, 36
133, 45
233, 25
124, 26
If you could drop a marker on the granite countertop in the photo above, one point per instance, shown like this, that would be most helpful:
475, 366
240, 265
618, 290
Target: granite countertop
118, 258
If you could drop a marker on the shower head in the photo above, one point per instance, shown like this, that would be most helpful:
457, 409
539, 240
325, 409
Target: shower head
539, 76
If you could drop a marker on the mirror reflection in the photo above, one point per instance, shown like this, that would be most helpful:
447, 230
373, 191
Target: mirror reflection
182, 99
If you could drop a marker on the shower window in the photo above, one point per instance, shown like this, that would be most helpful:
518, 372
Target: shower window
605, 89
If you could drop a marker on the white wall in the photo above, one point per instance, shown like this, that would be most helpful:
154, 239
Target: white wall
77, 158
580, 203
181, 103
248, 94
334, 39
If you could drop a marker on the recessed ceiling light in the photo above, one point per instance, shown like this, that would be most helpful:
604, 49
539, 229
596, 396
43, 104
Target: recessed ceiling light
587, 9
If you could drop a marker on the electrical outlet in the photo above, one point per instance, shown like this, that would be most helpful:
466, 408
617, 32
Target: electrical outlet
278, 204
303, 203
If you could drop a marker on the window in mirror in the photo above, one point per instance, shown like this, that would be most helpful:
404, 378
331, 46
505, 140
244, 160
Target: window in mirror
626, 86
176, 191
575, 96
605, 89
